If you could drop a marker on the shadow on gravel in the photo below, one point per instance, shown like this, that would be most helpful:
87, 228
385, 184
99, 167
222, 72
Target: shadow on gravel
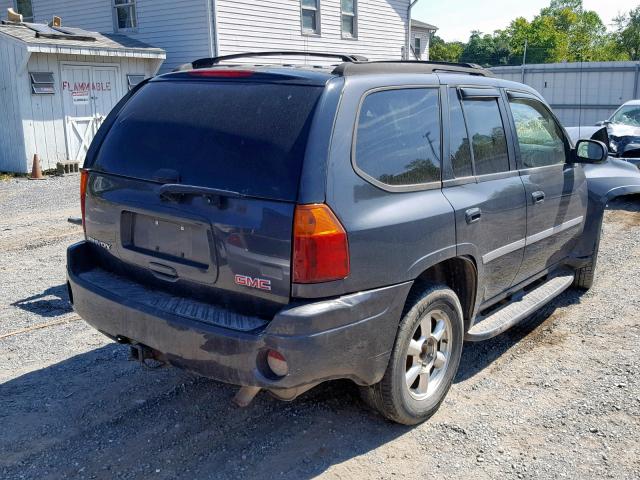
96, 415
478, 356
44, 306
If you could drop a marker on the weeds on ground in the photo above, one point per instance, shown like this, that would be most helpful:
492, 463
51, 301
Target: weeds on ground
8, 176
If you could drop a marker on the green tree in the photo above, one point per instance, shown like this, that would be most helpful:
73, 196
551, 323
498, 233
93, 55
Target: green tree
627, 33
486, 49
441, 51
562, 32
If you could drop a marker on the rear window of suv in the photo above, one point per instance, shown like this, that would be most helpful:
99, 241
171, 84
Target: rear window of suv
244, 137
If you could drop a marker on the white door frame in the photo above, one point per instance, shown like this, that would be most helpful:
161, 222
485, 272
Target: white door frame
95, 120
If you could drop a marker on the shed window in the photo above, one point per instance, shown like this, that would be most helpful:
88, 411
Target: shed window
133, 80
25, 8
125, 14
42, 83
349, 20
310, 12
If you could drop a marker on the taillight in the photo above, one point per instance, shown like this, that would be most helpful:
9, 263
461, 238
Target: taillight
320, 247
84, 178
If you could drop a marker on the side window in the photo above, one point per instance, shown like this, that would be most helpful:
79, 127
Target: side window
459, 140
539, 136
488, 139
398, 136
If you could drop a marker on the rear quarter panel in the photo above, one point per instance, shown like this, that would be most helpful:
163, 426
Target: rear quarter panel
393, 237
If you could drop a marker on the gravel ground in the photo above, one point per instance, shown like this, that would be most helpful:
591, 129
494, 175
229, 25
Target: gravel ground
556, 397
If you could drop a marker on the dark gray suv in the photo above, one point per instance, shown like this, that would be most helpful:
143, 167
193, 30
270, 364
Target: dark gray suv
274, 227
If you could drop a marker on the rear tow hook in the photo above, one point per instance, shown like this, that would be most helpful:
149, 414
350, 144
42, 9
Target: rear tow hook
146, 356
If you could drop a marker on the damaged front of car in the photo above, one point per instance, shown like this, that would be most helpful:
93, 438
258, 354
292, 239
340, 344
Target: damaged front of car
624, 142
623, 131
607, 180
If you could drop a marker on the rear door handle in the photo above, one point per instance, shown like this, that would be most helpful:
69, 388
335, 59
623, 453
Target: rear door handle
473, 215
538, 197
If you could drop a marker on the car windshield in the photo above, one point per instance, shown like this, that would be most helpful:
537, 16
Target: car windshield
627, 115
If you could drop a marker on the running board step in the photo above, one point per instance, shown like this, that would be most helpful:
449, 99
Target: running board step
505, 318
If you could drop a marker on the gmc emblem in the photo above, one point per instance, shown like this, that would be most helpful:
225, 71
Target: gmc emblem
259, 283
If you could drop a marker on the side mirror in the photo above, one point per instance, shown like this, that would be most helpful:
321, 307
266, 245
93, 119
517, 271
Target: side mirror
603, 123
591, 151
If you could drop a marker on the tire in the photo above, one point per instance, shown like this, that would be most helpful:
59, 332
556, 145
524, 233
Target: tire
436, 308
585, 276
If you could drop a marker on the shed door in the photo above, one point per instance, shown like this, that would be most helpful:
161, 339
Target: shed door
89, 94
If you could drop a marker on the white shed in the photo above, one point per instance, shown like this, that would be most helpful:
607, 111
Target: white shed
57, 85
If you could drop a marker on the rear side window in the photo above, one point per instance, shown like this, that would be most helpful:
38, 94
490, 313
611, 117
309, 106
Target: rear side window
244, 137
398, 137
459, 140
488, 139
540, 139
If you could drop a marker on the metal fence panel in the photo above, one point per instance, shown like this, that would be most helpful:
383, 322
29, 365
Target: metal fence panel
579, 93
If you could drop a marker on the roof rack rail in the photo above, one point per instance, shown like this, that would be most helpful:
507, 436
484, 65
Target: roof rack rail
210, 62
411, 66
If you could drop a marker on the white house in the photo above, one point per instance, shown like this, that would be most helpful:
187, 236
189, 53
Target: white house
421, 34
191, 29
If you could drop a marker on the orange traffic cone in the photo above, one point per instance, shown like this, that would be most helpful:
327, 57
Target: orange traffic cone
36, 171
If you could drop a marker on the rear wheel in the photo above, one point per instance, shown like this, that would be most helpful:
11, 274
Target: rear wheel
424, 360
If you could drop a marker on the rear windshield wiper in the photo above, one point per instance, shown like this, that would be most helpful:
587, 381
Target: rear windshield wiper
176, 192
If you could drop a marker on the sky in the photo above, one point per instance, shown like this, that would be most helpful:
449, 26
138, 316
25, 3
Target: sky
456, 23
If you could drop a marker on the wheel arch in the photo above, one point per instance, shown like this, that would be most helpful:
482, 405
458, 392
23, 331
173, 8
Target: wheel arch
597, 204
458, 273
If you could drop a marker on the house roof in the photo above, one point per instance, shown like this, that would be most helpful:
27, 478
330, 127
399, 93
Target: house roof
75, 41
419, 24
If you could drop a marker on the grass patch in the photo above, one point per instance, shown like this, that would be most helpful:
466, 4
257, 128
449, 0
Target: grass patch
7, 176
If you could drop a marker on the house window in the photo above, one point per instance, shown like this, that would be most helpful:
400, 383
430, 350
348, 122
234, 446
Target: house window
24, 8
125, 14
310, 12
417, 45
349, 20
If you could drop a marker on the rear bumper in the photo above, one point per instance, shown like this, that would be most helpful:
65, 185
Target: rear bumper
345, 337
